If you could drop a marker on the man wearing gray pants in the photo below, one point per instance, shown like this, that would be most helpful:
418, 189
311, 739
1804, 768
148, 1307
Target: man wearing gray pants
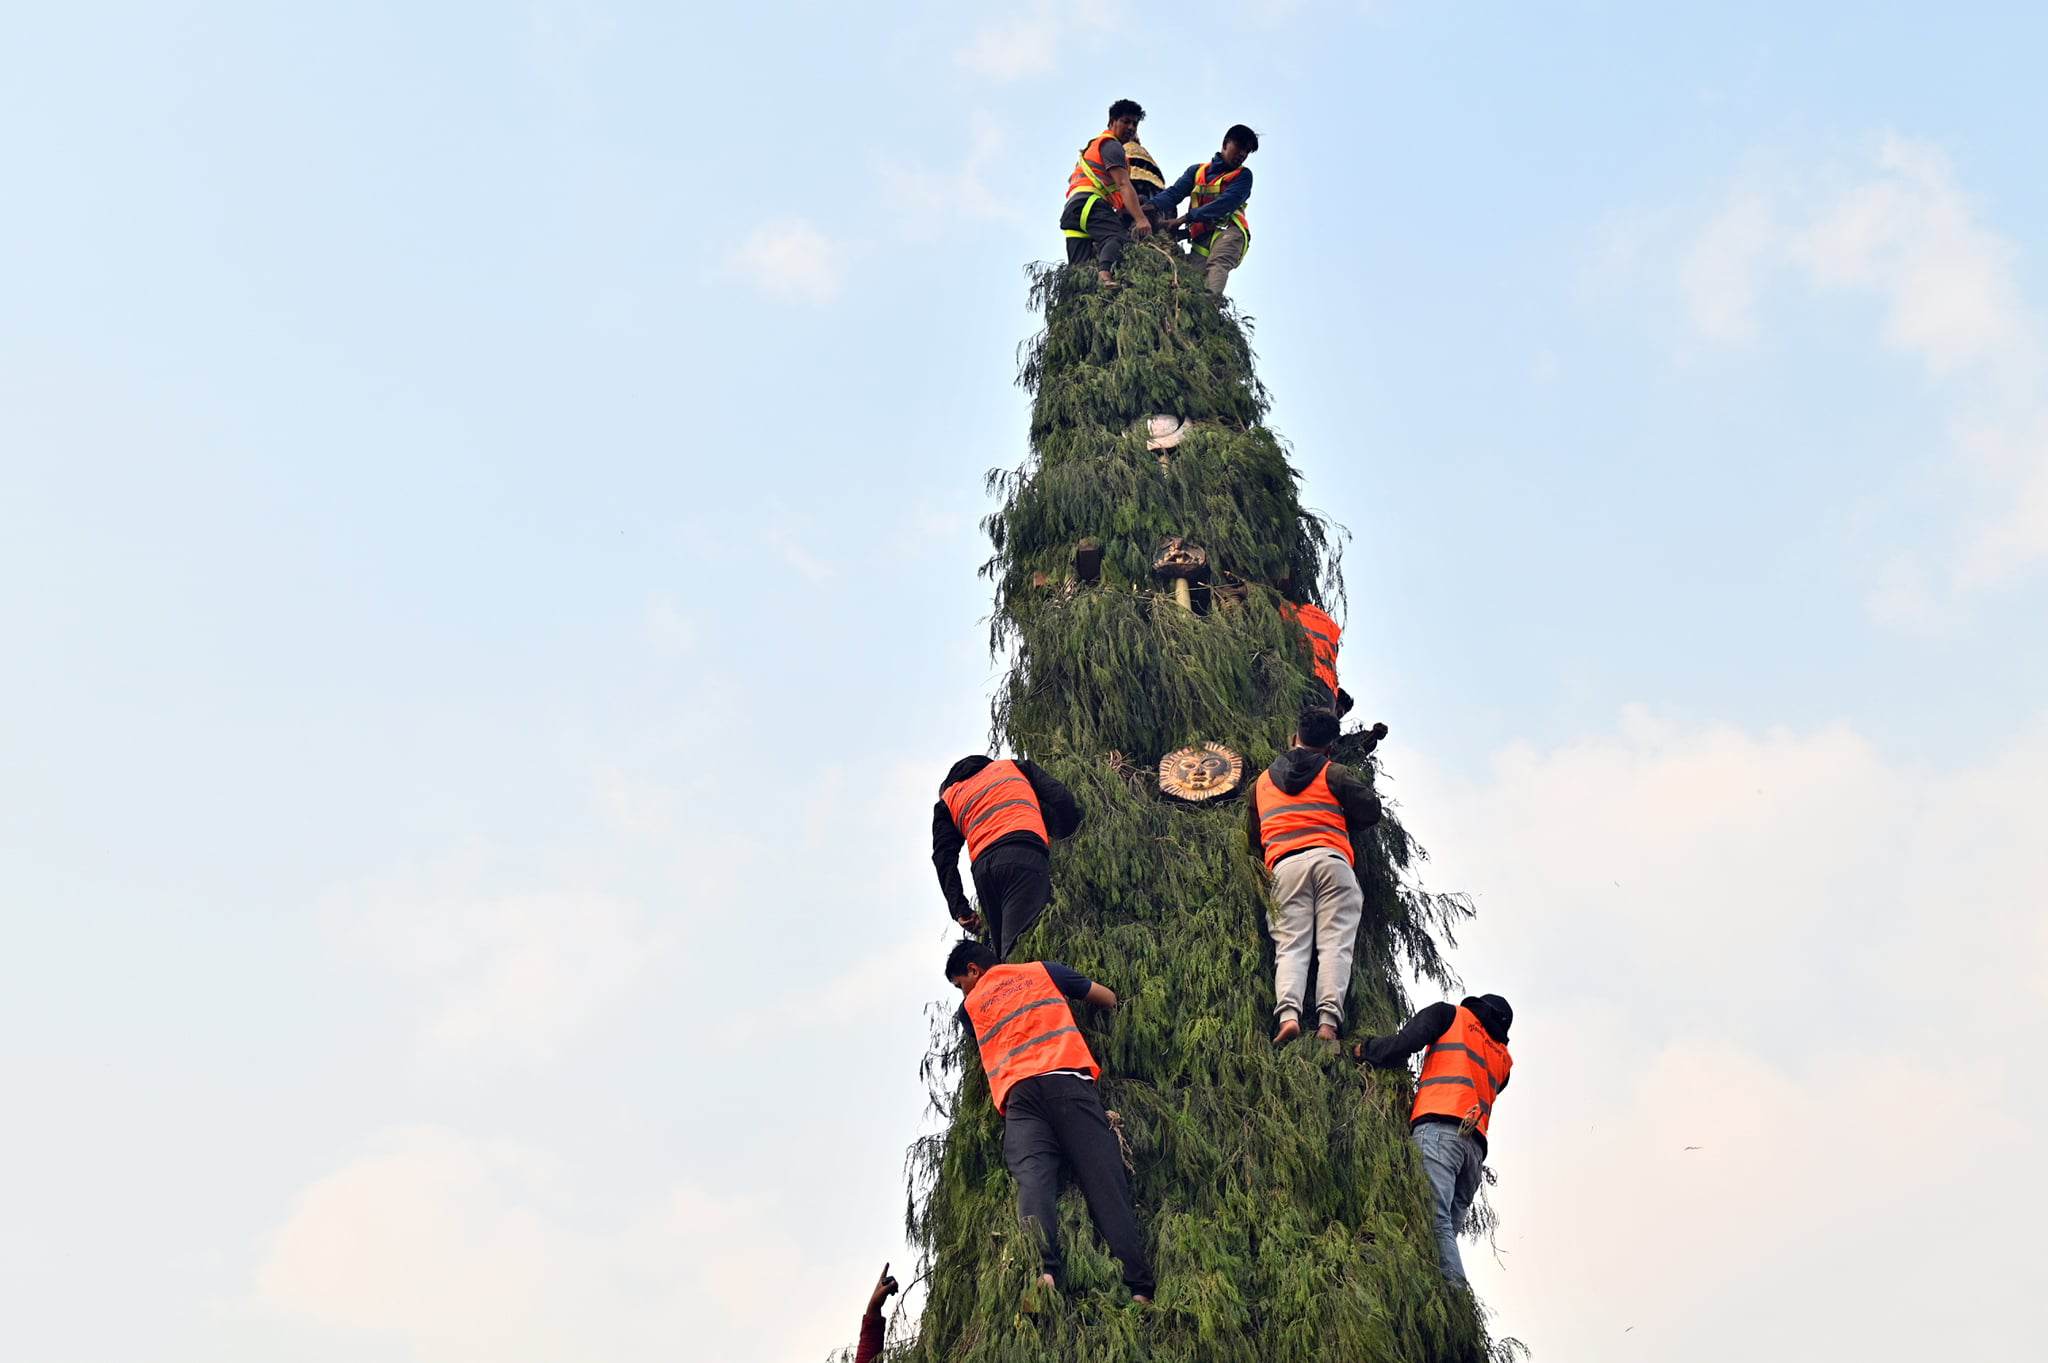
1299, 824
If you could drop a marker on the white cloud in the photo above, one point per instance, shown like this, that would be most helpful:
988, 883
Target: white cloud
1909, 234
1013, 46
480, 1252
792, 260
789, 546
427, 1235
1900, 229
513, 973
1027, 41
1718, 274
1816, 963
933, 195
1905, 600
669, 630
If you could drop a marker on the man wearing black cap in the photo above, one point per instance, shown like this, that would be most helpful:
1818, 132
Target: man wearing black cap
1462, 1075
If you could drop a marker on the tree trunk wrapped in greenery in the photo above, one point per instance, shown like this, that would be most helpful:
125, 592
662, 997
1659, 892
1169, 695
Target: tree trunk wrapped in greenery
1286, 1212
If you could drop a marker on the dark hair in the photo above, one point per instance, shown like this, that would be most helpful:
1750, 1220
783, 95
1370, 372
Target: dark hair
967, 952
1127, 108
1243, 136
1316, 726
963, 769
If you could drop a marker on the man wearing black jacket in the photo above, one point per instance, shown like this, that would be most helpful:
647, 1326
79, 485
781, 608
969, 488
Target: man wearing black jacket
1299, 823
1462, 1077
1005, 813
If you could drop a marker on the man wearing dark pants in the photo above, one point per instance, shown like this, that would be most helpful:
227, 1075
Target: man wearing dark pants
1102, 207
1005, 813
1299, 824
1041, 1076
1462, 1076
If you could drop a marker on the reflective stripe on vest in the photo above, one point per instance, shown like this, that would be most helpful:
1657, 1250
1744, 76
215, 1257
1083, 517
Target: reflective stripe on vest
1293, 823
1023, 1027
1462, 1074
1090, 174
992, 804
1205, 190
1086, 209
1323, 635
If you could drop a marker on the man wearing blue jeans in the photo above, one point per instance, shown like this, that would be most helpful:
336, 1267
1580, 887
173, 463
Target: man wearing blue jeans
1463, 1073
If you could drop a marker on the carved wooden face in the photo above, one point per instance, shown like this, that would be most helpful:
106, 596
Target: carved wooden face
1200, 773
1205, 771
1178, 558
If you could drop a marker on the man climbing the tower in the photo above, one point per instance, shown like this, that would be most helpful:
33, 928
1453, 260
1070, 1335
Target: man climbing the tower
1102, 208
1322, 634
1006, 814
1462, 1076
1041, 1076
1219, 233
1299, 824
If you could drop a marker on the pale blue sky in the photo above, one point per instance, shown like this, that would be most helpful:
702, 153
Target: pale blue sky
488, 506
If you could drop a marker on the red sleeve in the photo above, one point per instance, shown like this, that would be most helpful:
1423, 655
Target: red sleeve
870, 1338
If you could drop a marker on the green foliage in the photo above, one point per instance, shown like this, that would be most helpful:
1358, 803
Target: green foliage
1278, 1188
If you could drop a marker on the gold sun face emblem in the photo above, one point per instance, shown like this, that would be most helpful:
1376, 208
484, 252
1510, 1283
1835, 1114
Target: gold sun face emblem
1197, 774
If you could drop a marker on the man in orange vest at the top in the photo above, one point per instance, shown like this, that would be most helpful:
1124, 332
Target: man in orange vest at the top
1041, 1076
1005, 813
1299, 821
1219, 233
1463, 1074
1102, 209
1323, 635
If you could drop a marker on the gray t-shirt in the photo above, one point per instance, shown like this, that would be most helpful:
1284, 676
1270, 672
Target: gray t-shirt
1113, 155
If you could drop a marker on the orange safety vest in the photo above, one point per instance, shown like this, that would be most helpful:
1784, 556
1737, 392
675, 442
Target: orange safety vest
1205, 190
1323, 635
992, 804
1091, 176
1462, 1074
1024, 1028
1291, 823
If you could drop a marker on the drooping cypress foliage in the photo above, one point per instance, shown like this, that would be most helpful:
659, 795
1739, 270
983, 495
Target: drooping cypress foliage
1279, 1192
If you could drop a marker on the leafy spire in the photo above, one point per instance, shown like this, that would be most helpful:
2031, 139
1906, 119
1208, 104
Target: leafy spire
1278, 1189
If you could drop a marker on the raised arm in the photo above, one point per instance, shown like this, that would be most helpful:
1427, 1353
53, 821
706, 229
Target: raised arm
1168, 199
1392, 1052
1361, 806
1079, 987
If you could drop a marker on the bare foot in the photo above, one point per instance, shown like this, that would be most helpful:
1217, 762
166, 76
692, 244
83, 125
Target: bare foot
1045, 1281
1326, 1032
1289, 1030
1141, 1299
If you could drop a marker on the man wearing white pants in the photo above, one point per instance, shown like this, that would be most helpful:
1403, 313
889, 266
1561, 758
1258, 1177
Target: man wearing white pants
1300, 820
